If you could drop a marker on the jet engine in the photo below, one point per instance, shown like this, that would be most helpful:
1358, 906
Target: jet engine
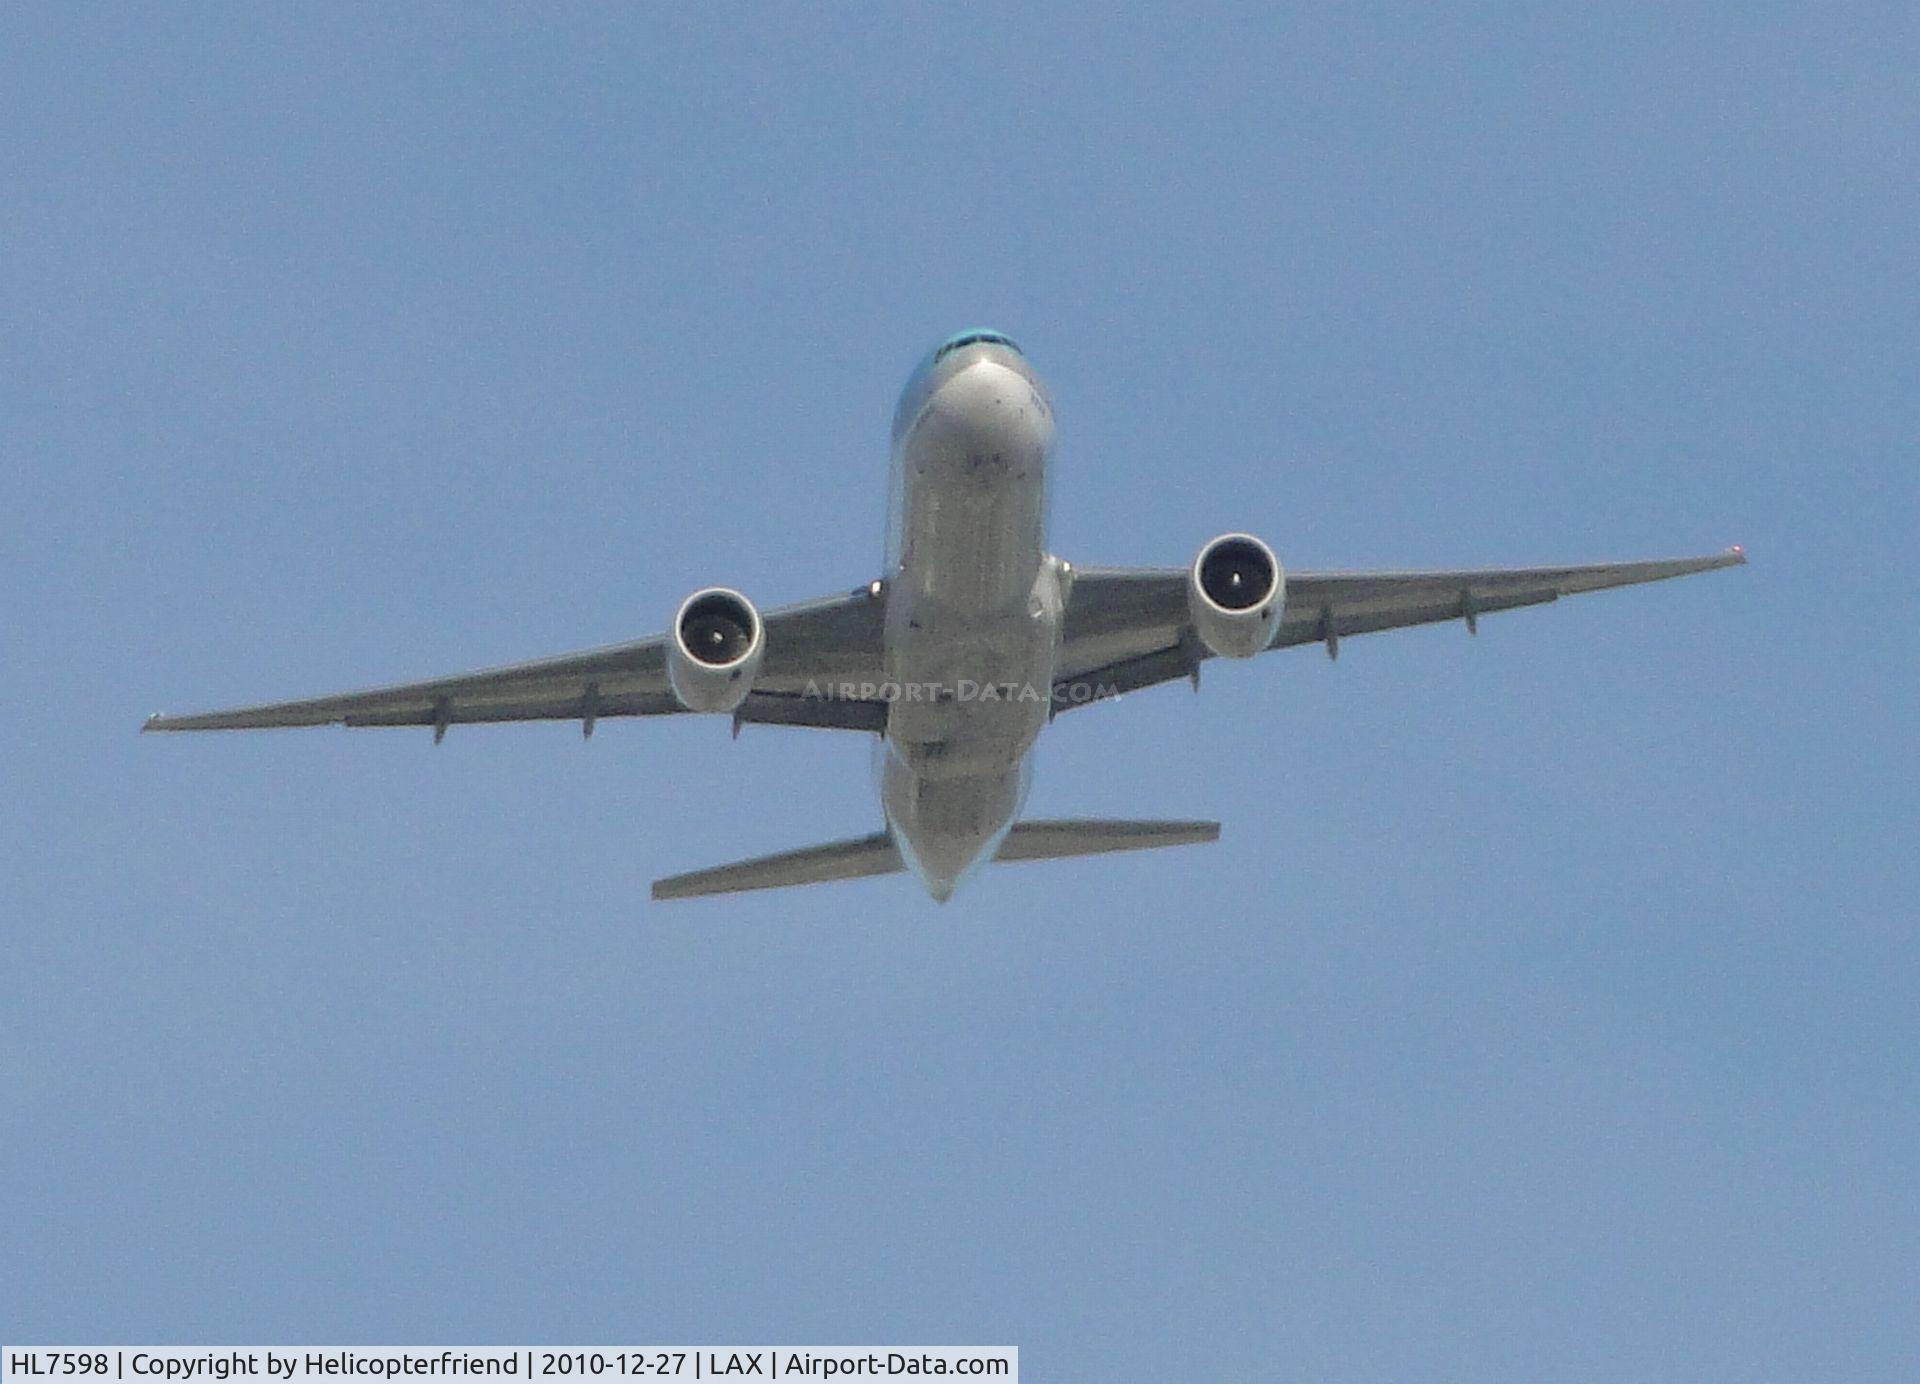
714, 649
1236, 593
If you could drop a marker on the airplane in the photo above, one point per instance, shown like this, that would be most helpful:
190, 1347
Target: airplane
956, 659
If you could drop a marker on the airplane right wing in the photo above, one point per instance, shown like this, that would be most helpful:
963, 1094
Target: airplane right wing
1129, 627
836, 639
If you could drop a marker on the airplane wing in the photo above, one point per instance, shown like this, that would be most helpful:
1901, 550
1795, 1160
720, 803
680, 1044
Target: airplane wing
1127, 627
835, 639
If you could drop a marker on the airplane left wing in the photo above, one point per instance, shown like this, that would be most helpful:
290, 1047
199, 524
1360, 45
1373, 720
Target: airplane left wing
1128, 627
836, 639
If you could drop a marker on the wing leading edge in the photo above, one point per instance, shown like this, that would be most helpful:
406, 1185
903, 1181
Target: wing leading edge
835, 639
1128, 628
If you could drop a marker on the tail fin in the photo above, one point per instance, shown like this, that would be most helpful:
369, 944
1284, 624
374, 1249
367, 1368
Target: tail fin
877, 855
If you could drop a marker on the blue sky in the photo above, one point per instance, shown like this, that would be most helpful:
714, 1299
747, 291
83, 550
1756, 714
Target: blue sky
1548, 1009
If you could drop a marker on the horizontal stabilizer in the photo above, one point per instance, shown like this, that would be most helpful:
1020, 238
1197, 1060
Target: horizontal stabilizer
864, 856
855, 859
1051, 840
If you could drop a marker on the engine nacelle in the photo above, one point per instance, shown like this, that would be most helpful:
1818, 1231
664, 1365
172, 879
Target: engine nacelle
1236, 594
714, 649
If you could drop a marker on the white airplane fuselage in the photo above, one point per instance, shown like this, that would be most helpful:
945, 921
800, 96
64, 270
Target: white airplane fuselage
973, 605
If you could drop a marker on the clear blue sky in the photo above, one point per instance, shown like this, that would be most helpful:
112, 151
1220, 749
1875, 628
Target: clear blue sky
1548, 1009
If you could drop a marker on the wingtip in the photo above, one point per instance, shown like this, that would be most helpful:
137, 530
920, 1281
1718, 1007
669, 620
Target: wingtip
1738, 553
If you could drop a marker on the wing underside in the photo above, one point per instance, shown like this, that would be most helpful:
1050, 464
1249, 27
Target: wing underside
1128, 628
837, 639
